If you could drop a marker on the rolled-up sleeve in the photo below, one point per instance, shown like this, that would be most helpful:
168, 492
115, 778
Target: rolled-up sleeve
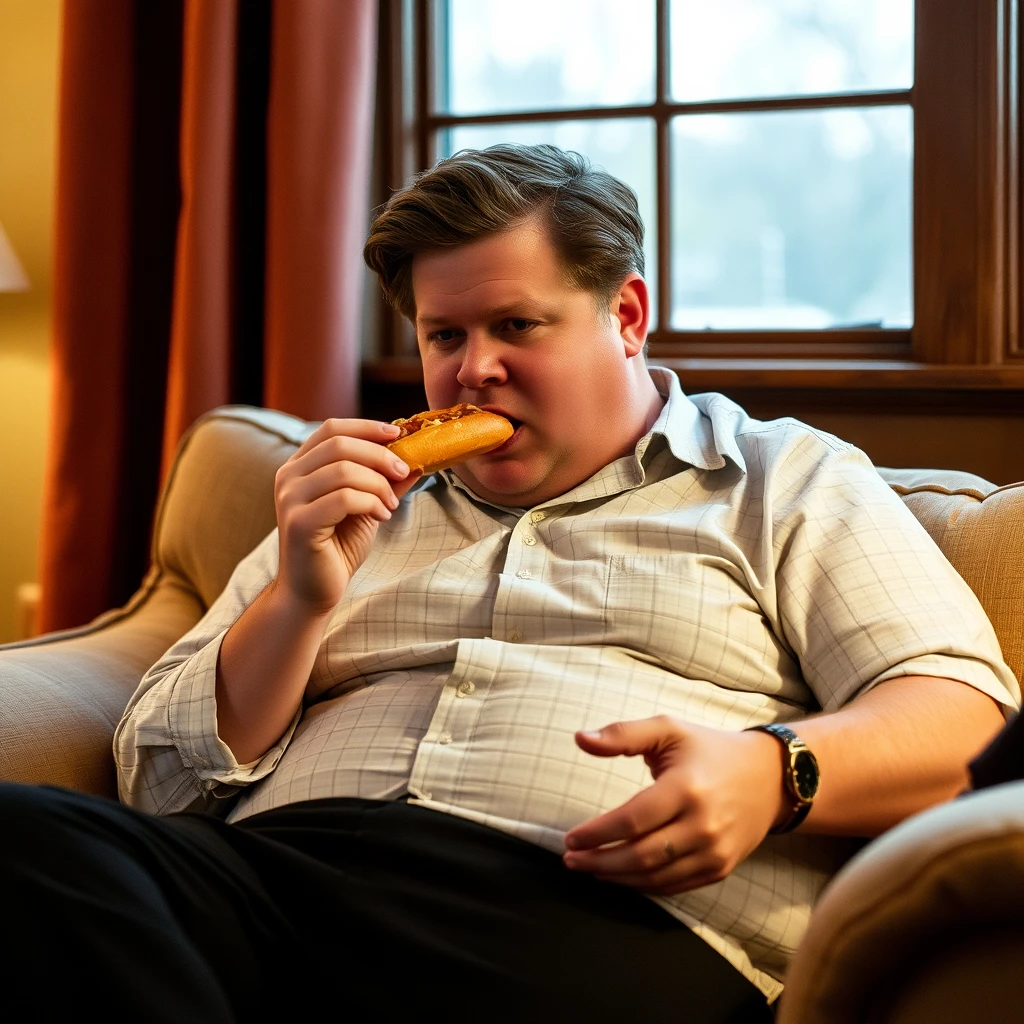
865, 594
168, 753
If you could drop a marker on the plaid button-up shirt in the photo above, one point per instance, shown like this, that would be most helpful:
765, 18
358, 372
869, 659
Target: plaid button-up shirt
730, 572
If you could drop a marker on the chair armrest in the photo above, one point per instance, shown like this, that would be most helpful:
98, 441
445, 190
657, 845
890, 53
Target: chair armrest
918, 919
62, 695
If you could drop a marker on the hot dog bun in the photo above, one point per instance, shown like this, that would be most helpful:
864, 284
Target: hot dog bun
441, 438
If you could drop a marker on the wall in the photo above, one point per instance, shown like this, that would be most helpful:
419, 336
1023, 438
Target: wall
985, 435
991, 446
29, 46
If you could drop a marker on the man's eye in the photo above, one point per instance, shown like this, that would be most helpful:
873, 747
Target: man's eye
444, 337
518, 325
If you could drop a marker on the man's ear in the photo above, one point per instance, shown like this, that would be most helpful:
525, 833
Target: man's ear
631, 308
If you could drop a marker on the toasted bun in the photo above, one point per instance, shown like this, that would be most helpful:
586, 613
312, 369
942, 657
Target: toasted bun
445, 437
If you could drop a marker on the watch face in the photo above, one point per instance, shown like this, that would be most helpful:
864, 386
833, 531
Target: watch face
805, 775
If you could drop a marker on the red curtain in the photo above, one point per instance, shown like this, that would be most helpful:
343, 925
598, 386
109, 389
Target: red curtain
213, 182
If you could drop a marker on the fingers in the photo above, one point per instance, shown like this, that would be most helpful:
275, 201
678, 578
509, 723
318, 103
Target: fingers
342, 447
343, 458
345, 487
667, 861
641, 736
649, 810
366, 430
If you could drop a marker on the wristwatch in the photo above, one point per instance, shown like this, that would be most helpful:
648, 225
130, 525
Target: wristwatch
800, 773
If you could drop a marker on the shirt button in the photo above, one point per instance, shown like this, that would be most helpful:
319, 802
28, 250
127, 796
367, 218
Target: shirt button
538, 517
524, 575
445, 737
515, 636
465, 689
530, 540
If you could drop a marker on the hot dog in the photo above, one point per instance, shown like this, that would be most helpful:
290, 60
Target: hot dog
440, 438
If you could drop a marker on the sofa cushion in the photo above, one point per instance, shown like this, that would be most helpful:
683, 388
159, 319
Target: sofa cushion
218, 502
980, 529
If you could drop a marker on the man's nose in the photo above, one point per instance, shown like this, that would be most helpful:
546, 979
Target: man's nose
482, 364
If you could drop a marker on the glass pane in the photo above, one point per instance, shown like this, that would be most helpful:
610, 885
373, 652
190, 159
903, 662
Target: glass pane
544, 54
792, 219
730, 49
623, 147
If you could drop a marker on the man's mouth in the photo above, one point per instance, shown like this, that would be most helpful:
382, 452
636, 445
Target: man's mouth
517, 426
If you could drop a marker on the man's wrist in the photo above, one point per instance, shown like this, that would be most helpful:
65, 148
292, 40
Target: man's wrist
774, 771
800, 774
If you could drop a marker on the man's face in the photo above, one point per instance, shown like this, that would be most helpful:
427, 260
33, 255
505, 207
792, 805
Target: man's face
498, 326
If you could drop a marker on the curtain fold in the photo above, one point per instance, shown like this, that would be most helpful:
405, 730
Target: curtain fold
213, 170
319, 185
198, 376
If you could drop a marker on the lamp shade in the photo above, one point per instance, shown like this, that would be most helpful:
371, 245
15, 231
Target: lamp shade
12, 277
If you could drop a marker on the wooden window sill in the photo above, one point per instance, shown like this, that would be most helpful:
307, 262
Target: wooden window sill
777, 387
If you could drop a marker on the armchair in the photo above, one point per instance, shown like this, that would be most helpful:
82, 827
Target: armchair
925, 921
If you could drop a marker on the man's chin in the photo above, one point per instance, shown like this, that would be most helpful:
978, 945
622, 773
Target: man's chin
503, 484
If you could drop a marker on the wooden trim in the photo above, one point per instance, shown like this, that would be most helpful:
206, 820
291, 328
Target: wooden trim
848, 374
772, 402
422, 74
850, 342
834, 374
1011, 97
964, 183
663, 172
667, 109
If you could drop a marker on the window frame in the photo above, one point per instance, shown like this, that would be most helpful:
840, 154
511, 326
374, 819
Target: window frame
966, 341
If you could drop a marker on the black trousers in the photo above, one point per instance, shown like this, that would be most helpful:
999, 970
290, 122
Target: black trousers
374, 911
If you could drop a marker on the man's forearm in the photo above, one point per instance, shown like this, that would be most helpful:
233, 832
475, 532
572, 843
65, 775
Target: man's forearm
899, 748
264, 665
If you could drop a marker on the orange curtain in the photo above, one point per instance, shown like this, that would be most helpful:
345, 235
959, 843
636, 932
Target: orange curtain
213, 181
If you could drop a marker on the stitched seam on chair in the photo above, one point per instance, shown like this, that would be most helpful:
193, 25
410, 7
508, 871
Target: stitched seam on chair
967, 492
227, 413
104, 621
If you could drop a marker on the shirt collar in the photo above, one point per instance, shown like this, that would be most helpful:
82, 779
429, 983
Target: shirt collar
699, 431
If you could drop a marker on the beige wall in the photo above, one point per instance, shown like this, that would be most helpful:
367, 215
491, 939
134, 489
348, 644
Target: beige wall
29, 43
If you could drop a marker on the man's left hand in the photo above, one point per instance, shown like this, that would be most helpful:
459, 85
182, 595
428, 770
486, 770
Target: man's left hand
715, 796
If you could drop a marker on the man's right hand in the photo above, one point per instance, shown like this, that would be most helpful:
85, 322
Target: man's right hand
330, 497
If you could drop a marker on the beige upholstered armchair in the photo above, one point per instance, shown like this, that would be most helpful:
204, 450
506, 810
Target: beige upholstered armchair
925, 924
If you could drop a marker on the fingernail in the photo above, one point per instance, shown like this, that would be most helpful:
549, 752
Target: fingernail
401, 467
392, 502
592, 733
571, 842
390, 428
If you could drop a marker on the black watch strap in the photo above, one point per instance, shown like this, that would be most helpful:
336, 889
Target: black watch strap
800, 774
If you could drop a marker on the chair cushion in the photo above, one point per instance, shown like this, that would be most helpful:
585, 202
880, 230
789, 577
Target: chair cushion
980, 529
61, 695
219, 498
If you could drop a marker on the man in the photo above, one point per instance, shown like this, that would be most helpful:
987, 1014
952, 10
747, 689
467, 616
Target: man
489, 742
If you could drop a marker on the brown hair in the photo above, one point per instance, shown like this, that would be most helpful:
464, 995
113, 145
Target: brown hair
593, 218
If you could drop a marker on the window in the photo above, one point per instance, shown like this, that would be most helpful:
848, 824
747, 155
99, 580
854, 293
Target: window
830, 187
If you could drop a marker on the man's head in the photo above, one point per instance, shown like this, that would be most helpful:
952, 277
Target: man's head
592, 218
521, 273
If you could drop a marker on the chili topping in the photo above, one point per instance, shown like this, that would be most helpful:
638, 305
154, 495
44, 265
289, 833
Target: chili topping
410, 424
